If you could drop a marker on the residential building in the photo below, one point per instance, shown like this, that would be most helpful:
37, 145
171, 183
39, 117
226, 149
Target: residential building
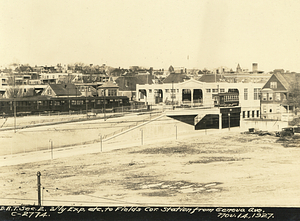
127, 83
275, 96
108, 89
61, 90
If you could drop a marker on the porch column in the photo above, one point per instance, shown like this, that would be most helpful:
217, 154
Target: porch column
146, 97
192, 97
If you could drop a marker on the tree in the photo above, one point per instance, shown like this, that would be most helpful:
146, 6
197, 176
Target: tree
13, 90
171, 69
24, 68
294, 93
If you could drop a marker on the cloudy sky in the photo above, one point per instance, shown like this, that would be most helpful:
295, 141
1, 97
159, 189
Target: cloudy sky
157, 33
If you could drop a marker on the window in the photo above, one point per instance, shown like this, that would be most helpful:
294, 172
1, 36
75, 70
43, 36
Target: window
49, 92
273, 85
257, 113
253, 113
245, 93
256, 93
222, 90
80, 102
270, 96
167, 90
270, 111
265, 109
278, 97
150, 90
264, 96
244, 113
278, 110
248, 114
112, 92
208, 90
214, 90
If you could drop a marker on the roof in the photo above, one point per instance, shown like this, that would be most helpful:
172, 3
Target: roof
287, 79
176, 78
128, 83
108, 84
211, 78
65, 89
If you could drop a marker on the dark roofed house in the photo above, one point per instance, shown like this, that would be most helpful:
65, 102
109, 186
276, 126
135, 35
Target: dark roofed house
108, 89
276, 96
61, 90
127, 83
209, 78
176, 78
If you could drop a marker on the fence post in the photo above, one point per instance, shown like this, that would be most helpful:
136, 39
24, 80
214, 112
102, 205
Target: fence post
100, 135
51, 148
39, 187
141, 136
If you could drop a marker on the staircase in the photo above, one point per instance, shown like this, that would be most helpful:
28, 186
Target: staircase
198, 118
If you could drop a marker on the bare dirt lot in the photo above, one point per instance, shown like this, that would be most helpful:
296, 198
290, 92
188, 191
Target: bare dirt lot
224, 169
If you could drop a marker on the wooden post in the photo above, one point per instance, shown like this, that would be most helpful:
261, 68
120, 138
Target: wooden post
228, 121
141, 136
100, 135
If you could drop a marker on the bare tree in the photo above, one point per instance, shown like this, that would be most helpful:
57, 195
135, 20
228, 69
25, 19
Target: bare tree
13, 90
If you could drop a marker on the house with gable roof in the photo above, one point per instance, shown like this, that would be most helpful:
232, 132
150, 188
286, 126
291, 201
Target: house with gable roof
275, 96
109, 89
127, 83
61, 90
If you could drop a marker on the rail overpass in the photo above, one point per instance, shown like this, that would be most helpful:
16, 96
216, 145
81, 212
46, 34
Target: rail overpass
207, 118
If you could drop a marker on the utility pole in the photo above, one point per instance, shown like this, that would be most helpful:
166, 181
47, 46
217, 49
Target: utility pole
86, 104
172, 94
39, 187
15, 107
104, 104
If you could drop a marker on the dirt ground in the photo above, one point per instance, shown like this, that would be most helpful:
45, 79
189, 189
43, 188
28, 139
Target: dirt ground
225, 169
64, 135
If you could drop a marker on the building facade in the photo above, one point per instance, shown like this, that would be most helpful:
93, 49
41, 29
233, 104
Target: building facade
201, 94
275, 96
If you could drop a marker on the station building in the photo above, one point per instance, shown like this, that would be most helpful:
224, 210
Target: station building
195, 93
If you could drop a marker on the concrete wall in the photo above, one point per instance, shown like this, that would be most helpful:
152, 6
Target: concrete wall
263, 125
161, 128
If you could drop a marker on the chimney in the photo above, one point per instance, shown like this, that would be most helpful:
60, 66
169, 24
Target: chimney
254, 67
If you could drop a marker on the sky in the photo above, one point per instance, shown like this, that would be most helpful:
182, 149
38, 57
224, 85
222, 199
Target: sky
152, 33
